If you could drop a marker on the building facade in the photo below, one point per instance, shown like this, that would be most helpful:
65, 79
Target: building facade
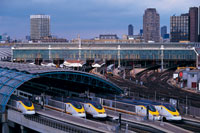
130, 30
40, 26
179, 28
199, 24
193, 20
163, 31
151, 25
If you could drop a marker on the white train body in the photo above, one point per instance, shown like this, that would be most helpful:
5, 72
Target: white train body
24, 108
168, 112
75, 110
95, 109
141, 110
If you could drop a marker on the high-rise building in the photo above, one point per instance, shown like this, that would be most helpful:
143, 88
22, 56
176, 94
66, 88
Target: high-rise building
199, 24
141, 32
151, 25
40, 26
193, 24
130, 29
163, 31
179, 28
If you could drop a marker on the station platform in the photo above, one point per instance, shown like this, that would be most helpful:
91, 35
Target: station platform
162, 126
80, 122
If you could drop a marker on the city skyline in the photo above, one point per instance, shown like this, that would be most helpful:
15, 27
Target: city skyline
90, 19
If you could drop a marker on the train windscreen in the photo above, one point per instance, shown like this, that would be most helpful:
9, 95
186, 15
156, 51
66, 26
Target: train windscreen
97, 105
77, 105
170, 107
27, 103
152, 108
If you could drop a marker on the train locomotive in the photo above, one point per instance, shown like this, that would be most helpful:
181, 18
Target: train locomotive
141, 109
23, 105
74, 108
167, 111
95, 109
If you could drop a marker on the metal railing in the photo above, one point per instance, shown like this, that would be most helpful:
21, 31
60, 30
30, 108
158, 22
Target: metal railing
58, 125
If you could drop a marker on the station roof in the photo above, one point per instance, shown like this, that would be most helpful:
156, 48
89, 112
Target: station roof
13, 75
105, 46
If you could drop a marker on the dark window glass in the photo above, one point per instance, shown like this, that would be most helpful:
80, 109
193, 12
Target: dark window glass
97, 105
77, 105
27, 103
170, 107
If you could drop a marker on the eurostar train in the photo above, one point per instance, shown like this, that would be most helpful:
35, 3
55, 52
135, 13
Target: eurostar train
24, 105
74, 108
141, 109
95, 109
166, 110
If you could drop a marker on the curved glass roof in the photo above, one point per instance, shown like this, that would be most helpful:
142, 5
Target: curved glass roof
9, 81
13, 75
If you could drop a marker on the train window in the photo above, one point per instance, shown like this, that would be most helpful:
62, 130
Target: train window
161, 107
152, 108
170, 107
97, 105
141, 107
68, 105
77, 105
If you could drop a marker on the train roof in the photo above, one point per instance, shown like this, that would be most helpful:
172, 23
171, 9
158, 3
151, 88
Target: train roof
134, 102
17, 98
150, 102
65, 100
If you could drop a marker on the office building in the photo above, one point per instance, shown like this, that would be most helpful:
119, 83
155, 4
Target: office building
199, 24
130, 30
141, 32
179, 28
40, 26
151, 25
193, 24
163, 31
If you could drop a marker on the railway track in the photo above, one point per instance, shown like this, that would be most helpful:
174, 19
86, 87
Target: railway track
188, 125
157, 82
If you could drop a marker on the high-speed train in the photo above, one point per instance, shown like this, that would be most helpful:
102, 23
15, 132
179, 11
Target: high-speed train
141, 109
166, 110
74, 108
23, 105
94, 109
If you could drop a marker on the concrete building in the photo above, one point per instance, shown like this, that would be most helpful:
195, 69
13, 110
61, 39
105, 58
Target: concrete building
163, 31
151, 25
193, 24
108, 36
188, 78
40, 26
130, 30
199, 24
179, 28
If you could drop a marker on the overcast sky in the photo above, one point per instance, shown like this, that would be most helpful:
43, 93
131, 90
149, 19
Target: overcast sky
89, 18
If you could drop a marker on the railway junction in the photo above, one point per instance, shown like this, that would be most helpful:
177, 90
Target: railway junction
37, 81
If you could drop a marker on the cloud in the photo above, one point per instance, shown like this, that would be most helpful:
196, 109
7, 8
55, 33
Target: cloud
87, 17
